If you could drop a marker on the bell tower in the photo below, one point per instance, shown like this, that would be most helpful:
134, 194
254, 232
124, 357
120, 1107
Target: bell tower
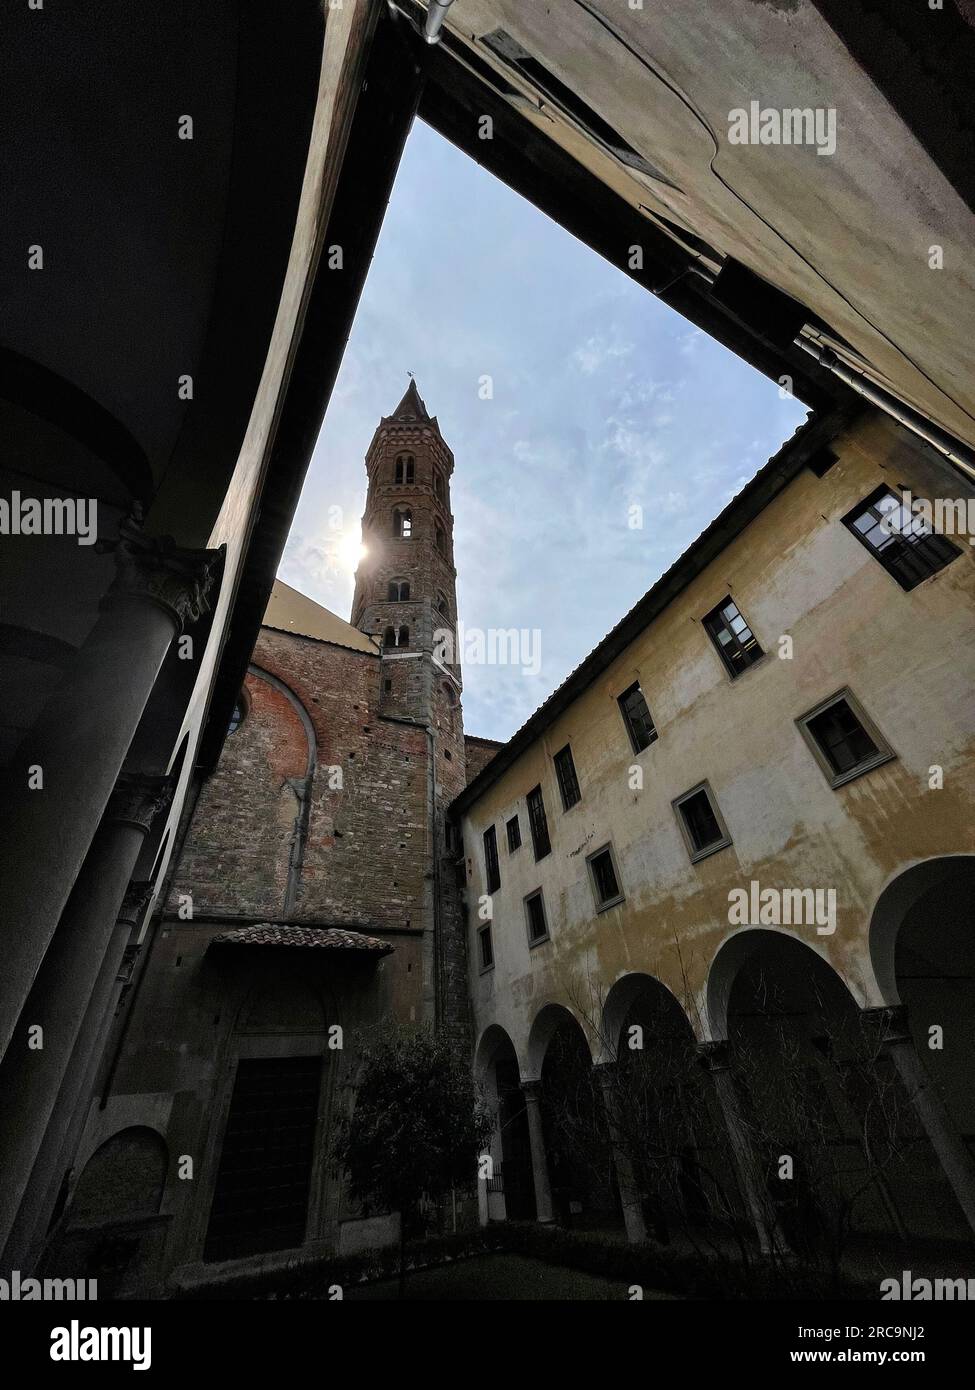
405, 589
406, 596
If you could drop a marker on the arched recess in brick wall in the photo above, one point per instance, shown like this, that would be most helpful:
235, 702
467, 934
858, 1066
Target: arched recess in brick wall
301, 786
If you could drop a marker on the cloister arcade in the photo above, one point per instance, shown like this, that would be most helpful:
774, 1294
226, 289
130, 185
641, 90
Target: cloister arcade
795, 1101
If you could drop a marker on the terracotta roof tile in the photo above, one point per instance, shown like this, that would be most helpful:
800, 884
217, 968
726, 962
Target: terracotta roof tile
321, 938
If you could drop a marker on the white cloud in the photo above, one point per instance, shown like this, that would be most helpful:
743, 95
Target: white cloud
596, 352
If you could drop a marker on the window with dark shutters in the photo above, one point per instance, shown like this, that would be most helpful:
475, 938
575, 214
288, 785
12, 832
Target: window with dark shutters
565, 771
636, 717
491, 865
538, 823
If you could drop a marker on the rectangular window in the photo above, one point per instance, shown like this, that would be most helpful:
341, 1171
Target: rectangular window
260, 1201
734, 639
535, 916
565, 770
700, 821
604, 878
491, 865
514, 834
538, 823
636, 717
486, 948
902, 542
843, 740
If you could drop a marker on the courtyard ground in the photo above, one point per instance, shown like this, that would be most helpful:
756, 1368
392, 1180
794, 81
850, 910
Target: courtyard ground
503, 1276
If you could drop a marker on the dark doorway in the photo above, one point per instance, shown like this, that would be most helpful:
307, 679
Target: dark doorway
519, 1188
261, 1197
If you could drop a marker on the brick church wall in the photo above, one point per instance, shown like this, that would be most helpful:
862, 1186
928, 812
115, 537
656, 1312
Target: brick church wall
365, 855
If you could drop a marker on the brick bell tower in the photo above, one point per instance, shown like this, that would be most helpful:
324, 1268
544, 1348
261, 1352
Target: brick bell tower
406, 596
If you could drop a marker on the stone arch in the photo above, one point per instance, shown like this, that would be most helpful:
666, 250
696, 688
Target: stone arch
664, 1112
618, 1003
581, 1172
493, 1039
904, 895
922, 947
124, 1179
508, 1192
836, 1136
544, 1027
731, 958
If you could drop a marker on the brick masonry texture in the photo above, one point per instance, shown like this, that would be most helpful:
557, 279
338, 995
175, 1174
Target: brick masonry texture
362, 842
478, 752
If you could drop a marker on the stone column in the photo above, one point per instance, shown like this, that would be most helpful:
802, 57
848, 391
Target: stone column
31, 1076
78, 745
953, 1153
70, 1111
536, 1137
717, 1062
630, 1196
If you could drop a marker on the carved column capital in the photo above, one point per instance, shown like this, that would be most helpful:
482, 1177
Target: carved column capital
134, 903
158, 571
715, 1056
532, 1091
129, 958
137, 799
889, 1022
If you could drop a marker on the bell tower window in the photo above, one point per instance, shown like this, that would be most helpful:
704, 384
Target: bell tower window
441, 540
403, 523
397, 591
405, 471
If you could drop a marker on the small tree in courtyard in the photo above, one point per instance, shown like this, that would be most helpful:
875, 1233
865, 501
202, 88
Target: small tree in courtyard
416, 1127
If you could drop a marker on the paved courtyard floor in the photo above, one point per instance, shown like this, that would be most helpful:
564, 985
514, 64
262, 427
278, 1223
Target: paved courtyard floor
502, 1277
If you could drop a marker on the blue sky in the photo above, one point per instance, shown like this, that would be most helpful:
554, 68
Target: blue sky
603, 399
